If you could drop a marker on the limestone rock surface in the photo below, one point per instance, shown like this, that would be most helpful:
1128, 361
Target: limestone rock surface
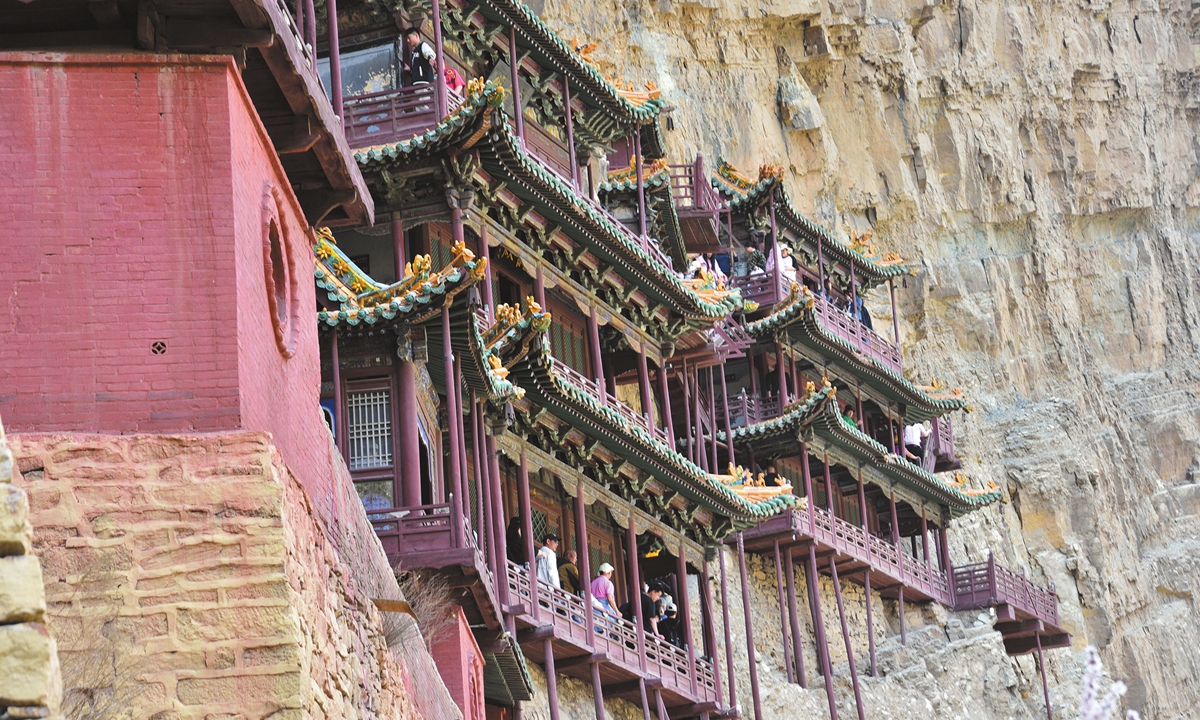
1038, 163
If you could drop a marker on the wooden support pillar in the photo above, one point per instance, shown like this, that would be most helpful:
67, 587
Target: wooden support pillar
662, 707
635, 583
399, 256
777, 290
783, 616
895, 315
482, 491
566, 81
539, 287
837, 591
854, 298
685, 610
488, 300
310, 32
1042, 669
453, 408
797, 391
462, 499
821, 268
781, 370
808, 488
439, 83
641, 185
644, 388
750, 651
828, 484
710, 630
526, 509
598, 692
900, 609
728, 632
597, 363
644, 696
701, 448
925, 538
712, 420
870, 623
668, 421
340, 412
814, 597
335, 60
585, 562
728, 423
515, 72
551, 678
499, 521
689, 422
794, 619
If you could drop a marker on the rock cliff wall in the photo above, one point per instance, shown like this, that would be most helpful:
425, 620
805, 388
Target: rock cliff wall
1038, 163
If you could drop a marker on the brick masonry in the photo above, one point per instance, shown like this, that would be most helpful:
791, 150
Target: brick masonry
195, 566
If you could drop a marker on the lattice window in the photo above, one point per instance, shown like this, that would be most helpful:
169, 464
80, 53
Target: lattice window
369, 429
540, 525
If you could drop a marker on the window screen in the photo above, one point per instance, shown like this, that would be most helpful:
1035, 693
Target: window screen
369, 429
365, 71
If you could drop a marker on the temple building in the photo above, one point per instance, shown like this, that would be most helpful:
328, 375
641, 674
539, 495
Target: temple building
530, 324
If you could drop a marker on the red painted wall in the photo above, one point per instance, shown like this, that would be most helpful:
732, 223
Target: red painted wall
133, 209
460, 664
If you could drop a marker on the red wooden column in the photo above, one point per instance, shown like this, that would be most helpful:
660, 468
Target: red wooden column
482, 492
814, 598
925, 538
685, 609
335, 60
783, 615
1042, 669
712, 418
585, 578
725, 622
862, 511
895, 316
821, 265
513, 59
453, 409
837, 591
539, 287
499, 521
776, 292
463, 496
728, 424
339, 415
794, 619
641, 185
526, 509
808, 489
750, 652
439, 83
701, 448
486, 252
668, 421
597, 363
635, 582
570, 131
710, 629
689, 423
781, 369
644, 388
900, 553
551, 678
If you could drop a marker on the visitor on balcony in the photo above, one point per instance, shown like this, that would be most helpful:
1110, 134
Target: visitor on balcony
419, 58
782, 255
649, 599
756, 262
914, 441
547, 561
849, 418
604, 598
515, 540
771, 478
864, 317
671, 626
568, 573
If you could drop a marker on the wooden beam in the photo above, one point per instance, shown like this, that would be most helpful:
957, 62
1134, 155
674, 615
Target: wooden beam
319, 203
1022, 627
181, 35
1023, 645
394, 606
564, 663
535, 634
26, 41
632, 686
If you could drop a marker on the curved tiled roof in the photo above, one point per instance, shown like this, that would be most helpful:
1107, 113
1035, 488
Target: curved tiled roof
796, 313
819, 415
578, 407
744, 193
479, 124
413, 299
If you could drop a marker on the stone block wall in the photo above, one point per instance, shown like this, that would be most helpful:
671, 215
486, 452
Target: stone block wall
30, 684
195, 572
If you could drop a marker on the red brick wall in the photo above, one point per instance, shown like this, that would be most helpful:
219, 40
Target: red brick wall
460, 664
133, 205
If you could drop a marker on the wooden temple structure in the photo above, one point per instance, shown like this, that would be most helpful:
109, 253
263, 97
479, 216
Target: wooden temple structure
524, 344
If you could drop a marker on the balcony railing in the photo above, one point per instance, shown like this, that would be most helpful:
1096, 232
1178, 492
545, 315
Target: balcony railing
746, 409
606, 398
860, 336
763, 288
987, 583
690, 188
616, 637
393, 115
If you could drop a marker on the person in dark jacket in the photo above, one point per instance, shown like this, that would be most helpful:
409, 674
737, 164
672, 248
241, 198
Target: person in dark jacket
515, 541
671, 627
420, 60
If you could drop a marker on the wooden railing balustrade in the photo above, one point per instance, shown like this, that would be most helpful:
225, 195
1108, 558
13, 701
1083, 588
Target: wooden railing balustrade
851, 329
616, 637
987, 583
572, 376
393, 115
746, 409
762, 287
690, 187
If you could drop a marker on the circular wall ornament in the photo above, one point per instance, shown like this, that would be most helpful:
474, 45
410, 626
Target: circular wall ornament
279, 274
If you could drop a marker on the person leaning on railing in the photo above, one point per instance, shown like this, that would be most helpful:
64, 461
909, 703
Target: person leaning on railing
419, 58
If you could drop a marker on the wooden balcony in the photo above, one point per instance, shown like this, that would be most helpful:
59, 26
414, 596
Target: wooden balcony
763, 287
1026, 613
850, 329
940, 456
697, 205
602, 395
746, 409
422, 537
393, 115
614, 643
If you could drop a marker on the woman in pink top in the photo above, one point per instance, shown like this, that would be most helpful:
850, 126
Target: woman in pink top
603, 593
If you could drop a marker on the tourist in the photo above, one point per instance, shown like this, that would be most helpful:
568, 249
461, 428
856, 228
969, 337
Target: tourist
863, 316
547, 561
771, 479
671, 626
649, 598
914, 437
568, 573
755, 260
420, 58
849, 418
604, 598
516, 542
714, 267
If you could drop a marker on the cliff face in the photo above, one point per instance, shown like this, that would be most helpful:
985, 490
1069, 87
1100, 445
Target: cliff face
1038, 163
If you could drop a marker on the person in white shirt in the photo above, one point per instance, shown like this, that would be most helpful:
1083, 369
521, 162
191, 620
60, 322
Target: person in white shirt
547, 561
914, 435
